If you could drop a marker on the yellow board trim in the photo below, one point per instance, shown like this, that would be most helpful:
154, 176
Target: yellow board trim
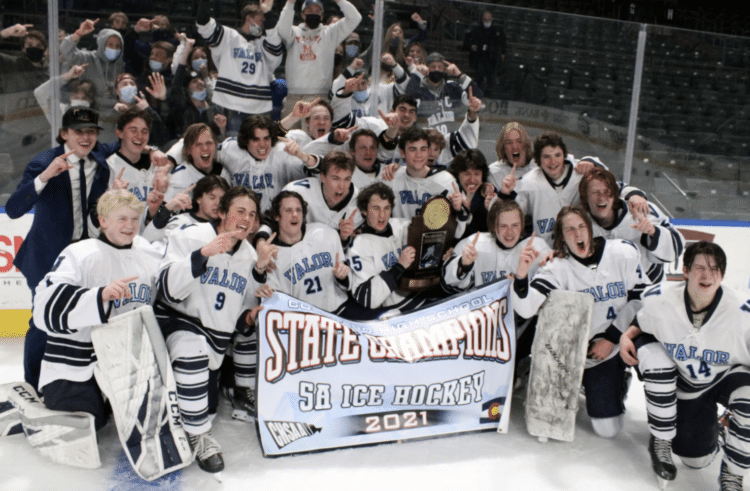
14, 323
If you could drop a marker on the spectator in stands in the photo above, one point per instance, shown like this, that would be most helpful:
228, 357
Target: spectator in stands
486, 46
129, 96
104, 64
417, 53
80, 92
311, 48
246, 60
119, 22
188, 98
25, 71
435, 92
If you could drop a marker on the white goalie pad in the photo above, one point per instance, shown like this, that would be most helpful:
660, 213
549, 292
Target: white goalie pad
135, 373
63, 437
558, 357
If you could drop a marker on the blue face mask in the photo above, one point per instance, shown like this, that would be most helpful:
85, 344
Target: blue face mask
127, 94
198, 64
352, 50
361, 95
111, 54
155, 66
199, 96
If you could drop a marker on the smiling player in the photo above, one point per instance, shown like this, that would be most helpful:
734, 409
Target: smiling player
693, 354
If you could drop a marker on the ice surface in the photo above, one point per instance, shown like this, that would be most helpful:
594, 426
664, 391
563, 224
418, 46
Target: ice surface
467, 462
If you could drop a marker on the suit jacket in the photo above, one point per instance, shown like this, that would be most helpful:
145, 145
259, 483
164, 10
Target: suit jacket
52, 228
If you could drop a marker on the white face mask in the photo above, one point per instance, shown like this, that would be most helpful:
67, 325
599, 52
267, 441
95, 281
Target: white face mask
79, 103
487, 24
127, 94
111, 54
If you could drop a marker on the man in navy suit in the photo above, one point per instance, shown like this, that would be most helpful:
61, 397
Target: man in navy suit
62, 185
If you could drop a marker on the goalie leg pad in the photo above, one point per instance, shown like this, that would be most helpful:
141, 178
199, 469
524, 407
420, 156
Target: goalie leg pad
133, 370
558, 359
63, 437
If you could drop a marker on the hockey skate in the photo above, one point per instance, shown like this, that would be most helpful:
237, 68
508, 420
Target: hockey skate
207, 452
729, 481
661, 460
243, 402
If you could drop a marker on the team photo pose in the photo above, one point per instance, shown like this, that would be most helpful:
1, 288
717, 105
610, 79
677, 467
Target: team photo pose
206, 283
610, 271
91, 282
691, 341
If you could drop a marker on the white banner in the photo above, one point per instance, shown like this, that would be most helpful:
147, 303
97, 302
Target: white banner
325, 382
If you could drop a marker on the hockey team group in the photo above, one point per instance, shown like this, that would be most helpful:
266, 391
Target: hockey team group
206, 230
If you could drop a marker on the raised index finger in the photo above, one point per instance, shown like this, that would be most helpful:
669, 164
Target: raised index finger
119, 174
513, 171
128, 280
189, 189
351, 217
66, 155
471, 93
337, 259
476, 237
455, 188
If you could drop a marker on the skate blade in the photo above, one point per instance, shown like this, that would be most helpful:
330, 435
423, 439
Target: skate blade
242, 415
663, 483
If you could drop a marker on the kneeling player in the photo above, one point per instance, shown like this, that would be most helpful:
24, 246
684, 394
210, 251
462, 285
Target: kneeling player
310, 263
491, 256
206, 284
705, 328
91, 282
610, 271
379, 255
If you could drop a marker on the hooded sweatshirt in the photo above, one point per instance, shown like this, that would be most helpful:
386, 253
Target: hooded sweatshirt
100, 70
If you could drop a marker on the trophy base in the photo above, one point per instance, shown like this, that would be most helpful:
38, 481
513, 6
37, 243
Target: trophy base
418, 284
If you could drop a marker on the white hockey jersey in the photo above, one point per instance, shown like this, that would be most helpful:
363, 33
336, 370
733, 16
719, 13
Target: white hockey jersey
140, 176
245, 66
612, 276
412, 192
500, 169
494, 262
266, 177
372, 257
465, 137
68, 301
185, 174
542, 200
305, 270
211, 293
702, 356
154, 234
665, 246
311, 190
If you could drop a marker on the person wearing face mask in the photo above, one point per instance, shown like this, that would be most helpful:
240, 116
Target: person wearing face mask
128, 97
486, 46
311, 48
189, 99
246, 59
442, 88
104, 64
20, 74
81, 92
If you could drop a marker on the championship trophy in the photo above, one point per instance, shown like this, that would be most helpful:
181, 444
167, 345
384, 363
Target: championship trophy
430, 232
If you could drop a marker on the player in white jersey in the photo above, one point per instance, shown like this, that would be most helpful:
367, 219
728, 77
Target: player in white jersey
379, 256
403, 116
246, 61
416, 182
694, 353
194, 157
608, 270
363, 145
657, 239
318, 118
493, 256
91, 282
513, 148
331, 198
130, 164
205, 207
206, 283
310, 262
259, 160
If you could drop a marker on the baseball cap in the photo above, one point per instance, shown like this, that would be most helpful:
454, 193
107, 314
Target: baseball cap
77, 118
313, 2
435, 57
